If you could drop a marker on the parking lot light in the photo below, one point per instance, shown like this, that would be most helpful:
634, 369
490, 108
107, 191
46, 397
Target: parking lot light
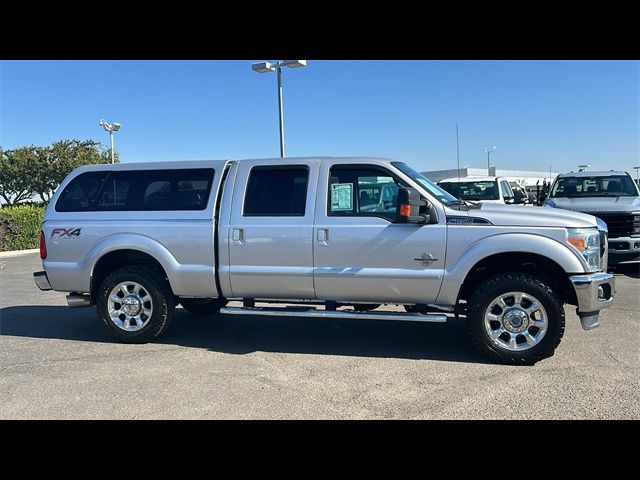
266, 67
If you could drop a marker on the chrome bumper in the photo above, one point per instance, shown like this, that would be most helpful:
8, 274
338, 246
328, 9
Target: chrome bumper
42, 281
594, 292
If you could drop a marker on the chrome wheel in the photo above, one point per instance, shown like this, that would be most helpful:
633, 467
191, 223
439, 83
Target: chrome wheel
130, 306
516, 321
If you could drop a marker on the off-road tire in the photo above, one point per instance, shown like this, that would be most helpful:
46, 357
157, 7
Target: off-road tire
161, 295
508, 282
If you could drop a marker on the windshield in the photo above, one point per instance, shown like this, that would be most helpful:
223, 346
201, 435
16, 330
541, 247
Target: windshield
481, 190
432, 188
609, 186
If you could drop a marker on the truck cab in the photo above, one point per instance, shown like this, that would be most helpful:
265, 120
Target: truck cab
613, 197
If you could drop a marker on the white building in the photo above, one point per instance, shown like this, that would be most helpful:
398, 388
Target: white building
523, 177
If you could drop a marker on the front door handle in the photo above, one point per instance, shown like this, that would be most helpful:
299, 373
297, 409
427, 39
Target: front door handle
323, 237
237, 236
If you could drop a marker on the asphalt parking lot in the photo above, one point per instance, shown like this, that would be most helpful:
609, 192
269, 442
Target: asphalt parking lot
58, 363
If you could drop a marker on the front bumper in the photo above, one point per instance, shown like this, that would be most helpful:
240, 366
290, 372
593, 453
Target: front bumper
617, 256
594, 292
42, 281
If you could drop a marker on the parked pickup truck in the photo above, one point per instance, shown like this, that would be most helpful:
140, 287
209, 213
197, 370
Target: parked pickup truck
137, 239
613, 197
485, 189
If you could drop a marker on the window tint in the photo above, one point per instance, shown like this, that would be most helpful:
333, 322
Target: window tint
157, 195
355, 191
145, 190
276, 191
470, 190
610, 186
80, 194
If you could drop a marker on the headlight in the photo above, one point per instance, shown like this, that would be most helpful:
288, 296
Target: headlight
587, 241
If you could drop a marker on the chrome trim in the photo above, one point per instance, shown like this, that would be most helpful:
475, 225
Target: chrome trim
130, 306
604, 244
514, 316
280, 312
586, 287
462, 220
42, 281
78, 300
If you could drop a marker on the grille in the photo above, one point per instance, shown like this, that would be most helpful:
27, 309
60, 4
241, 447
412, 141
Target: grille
621, 224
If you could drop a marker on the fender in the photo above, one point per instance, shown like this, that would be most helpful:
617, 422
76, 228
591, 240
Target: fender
506, 243
191, 280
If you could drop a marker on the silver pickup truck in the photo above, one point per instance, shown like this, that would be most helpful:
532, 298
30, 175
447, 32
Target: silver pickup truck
137, 239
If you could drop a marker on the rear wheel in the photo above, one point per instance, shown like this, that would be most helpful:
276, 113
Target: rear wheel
515, 318
203, 306
135, 304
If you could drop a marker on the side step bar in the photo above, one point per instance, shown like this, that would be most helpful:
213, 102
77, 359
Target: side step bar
312, 312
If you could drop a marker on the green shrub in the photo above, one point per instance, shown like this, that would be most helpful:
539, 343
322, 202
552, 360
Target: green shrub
20, 227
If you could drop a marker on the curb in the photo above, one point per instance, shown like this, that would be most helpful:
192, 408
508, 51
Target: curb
16, 253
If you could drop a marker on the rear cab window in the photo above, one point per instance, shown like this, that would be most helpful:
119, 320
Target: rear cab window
138, 190
276, 191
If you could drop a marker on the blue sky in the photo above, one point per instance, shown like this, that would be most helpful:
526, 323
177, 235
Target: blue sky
537, 113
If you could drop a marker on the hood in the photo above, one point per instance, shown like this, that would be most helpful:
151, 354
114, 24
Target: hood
595, 205
531, 216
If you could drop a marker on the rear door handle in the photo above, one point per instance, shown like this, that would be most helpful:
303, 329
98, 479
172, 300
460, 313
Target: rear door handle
323, 237
237, 236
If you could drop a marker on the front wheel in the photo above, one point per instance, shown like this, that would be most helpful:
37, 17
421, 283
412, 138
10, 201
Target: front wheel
203, 306
135, 304
515, 318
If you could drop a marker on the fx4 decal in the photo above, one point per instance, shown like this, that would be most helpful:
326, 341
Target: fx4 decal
65, 233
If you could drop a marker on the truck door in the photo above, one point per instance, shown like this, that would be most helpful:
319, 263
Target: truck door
270, 232
360, 253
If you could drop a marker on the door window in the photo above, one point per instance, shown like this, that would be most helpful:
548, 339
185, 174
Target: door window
276, 191
362, 192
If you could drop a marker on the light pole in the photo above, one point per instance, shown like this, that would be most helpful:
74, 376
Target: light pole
266, 67
488, 151
108, 127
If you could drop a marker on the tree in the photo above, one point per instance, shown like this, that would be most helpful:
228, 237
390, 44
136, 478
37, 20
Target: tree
62, 157
27, 171
16, 172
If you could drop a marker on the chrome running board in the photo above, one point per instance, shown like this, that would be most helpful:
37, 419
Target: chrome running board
312, 312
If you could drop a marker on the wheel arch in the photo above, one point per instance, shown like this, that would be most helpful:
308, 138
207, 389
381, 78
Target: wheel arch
115, 259
510, 252
544, 268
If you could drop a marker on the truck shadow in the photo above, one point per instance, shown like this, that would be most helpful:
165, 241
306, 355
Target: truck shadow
241, 335
631, 270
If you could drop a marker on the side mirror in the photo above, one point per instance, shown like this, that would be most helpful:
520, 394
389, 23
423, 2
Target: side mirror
518, 197
409, 203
